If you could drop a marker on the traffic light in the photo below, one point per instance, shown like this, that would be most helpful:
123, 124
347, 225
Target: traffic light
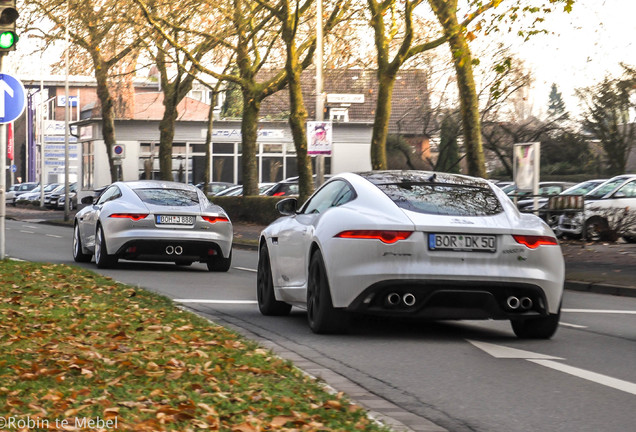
8, 16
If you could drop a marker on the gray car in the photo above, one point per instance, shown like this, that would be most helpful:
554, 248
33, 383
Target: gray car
153, 221
18, 189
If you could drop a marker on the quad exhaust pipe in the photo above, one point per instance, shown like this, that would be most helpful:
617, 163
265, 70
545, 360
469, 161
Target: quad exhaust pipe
515, 303
177, 250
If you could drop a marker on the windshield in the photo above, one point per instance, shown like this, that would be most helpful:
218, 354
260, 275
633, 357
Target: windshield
581, 188
443, 199
605, 188
168, 197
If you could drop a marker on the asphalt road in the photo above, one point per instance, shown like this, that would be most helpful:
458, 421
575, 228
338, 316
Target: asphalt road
458, 376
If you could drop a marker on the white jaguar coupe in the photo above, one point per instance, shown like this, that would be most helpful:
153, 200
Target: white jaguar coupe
411, 243
153, 221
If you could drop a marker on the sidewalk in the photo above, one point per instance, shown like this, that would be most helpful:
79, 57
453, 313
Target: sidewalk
604, 268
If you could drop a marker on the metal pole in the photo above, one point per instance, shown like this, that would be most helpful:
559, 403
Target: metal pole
320, 102
66, 121
40, 120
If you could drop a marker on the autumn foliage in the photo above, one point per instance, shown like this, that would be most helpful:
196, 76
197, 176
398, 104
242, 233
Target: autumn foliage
79, 347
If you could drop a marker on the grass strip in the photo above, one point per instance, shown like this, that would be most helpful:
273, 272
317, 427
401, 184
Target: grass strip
79, 351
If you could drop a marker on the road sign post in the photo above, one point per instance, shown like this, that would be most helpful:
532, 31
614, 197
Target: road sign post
12, 104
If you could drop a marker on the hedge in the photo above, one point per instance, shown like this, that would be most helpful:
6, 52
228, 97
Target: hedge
255, 209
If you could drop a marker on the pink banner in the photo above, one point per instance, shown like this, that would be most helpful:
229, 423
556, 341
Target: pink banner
10, 141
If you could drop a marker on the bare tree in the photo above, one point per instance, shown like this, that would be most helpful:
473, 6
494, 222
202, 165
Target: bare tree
96, 28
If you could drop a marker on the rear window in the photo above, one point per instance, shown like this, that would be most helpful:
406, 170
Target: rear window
443, 199
168, 197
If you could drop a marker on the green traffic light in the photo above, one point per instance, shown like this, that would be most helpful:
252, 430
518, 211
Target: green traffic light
7, 39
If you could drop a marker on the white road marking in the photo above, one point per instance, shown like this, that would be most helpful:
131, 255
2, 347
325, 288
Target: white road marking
27, 232
53, 235
599, 311
215, 301
571, 325
499, 351
30, 226
245, 269
605, 380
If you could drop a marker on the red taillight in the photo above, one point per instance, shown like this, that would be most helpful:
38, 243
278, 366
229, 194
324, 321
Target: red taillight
133, 216
215, 219
388, 237
279, 194
534, 242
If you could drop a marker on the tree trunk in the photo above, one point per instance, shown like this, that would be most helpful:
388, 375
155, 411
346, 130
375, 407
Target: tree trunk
446, 12
249, 132
108, 116
298, 114
166, 136
381, 122
469, 105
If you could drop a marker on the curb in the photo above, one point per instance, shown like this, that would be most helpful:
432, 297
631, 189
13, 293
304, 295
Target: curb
599, 288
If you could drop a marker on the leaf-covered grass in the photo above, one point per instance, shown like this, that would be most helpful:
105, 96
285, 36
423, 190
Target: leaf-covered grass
79, 347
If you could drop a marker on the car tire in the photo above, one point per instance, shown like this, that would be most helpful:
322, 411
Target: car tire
596, 229
102, 258
536, 328
629, 239
322, 316
220, 264
78, 249
267, 303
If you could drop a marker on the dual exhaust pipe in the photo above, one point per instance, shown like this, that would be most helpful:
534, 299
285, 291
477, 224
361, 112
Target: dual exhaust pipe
523, 303
176, 250
394, 299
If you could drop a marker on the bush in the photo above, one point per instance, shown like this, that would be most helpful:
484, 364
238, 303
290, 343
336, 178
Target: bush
255, 209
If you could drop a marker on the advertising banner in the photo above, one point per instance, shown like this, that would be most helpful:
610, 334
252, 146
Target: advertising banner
10, 141
319, 137
526, 159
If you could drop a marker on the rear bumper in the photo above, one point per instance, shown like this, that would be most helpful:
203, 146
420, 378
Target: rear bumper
169, 250
446, 299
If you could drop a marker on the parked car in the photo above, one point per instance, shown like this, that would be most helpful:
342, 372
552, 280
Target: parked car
610, 207
289, 186
216, 187
411, 244
18, 189
153, 220
34, 194
10, 194
57, 198
546, 189
552, 219
238, 190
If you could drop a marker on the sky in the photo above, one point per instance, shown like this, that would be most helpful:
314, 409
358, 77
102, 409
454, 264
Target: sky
581, 49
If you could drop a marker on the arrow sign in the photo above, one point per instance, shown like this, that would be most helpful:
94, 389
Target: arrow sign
499, 351
12, 98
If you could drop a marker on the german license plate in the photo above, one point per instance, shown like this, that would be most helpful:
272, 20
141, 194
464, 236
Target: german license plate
462, 242
175, 220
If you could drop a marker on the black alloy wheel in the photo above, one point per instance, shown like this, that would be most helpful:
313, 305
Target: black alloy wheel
536, 328
102, 259
78, 250
220, 264
322, 316
267, 303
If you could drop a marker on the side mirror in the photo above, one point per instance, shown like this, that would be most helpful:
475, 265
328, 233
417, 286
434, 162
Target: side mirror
88, 200
287, 206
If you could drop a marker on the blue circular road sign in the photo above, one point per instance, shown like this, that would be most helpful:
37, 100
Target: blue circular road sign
12, 98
